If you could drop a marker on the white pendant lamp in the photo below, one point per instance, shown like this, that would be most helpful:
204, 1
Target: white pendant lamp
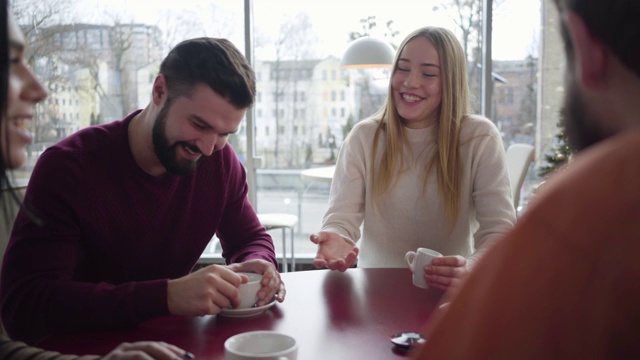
367, 52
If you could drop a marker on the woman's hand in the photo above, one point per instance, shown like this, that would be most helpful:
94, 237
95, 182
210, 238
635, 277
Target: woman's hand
334, 251
446, 272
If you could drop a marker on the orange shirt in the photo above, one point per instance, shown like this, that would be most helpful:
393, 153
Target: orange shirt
565, 283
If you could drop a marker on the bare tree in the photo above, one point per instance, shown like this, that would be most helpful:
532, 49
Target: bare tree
74, 60
180, 25
467, 15
294, 43
40, 21
369, 24
187, 23
121, 43
112, 61
92, 61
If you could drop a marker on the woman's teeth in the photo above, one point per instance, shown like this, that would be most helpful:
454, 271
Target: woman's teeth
21, 123
411, 98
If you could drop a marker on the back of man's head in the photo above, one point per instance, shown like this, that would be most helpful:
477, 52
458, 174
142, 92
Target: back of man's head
614, 22
216, 63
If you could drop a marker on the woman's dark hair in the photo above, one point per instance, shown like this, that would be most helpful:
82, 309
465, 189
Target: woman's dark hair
4, 86
5, 184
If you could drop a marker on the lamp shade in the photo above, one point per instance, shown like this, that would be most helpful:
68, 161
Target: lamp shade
367, 52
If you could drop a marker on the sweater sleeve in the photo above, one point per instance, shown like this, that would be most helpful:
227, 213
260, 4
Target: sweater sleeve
241, 235
491, 191
40, 291
348, 186
563, 283
15, 350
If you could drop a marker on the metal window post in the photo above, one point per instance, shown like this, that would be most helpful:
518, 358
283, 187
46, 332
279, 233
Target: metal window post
252, 162
487, 81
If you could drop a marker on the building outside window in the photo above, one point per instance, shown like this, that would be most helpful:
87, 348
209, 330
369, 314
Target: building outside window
107, 65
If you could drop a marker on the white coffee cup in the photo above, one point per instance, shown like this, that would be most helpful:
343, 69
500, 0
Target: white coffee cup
249, 291
261, 345
417, 260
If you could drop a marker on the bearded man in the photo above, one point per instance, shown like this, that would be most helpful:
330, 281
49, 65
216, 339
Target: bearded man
563, 284
125, 209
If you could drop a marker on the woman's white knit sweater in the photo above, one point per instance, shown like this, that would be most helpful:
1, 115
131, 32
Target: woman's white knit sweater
410, 215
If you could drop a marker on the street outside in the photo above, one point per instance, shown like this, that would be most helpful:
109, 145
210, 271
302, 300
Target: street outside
310, 209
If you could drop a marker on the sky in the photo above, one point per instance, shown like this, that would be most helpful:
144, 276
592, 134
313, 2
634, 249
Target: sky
516, 23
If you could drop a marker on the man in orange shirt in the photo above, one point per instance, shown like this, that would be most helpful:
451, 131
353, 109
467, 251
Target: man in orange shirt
565, 282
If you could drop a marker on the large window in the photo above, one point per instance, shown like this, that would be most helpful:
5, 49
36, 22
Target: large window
98, 59
311, 36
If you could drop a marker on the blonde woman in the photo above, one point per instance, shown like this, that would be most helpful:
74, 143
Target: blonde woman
422, 172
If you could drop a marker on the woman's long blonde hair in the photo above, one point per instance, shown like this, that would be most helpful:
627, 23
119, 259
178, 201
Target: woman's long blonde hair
455, 106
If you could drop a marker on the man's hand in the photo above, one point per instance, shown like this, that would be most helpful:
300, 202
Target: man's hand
446, 271
205, 291
272, 285
334, 251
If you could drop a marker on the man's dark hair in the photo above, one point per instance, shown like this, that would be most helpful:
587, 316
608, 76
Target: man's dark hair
216, 63
615, 22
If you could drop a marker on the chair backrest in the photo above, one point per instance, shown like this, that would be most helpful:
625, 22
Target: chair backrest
518, 157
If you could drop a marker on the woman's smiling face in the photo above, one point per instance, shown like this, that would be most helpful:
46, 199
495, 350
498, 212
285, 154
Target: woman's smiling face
416, 84
24, 92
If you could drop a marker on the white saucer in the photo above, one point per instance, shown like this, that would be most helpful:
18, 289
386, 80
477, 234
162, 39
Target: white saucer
241, 313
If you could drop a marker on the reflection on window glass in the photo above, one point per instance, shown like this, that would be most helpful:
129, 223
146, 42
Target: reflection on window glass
98, 59
300, 43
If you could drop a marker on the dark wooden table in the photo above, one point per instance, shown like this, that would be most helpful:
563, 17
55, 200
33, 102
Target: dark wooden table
332, 315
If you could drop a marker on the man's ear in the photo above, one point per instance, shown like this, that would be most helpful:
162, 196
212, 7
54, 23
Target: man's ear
159, 91
591, 55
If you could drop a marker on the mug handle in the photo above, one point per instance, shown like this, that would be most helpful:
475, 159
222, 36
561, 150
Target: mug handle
409, 257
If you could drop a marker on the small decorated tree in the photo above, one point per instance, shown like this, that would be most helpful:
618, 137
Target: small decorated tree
558, 155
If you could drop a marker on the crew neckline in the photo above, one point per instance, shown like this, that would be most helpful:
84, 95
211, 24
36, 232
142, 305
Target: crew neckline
419, 135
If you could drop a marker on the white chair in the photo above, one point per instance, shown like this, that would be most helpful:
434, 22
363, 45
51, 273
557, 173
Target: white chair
519, 157
272, 221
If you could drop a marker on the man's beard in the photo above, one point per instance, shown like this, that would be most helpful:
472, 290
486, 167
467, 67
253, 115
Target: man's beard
581, 125
165, 152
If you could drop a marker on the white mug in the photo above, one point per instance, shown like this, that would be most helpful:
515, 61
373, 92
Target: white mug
249, 291
261, 345
417, 260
